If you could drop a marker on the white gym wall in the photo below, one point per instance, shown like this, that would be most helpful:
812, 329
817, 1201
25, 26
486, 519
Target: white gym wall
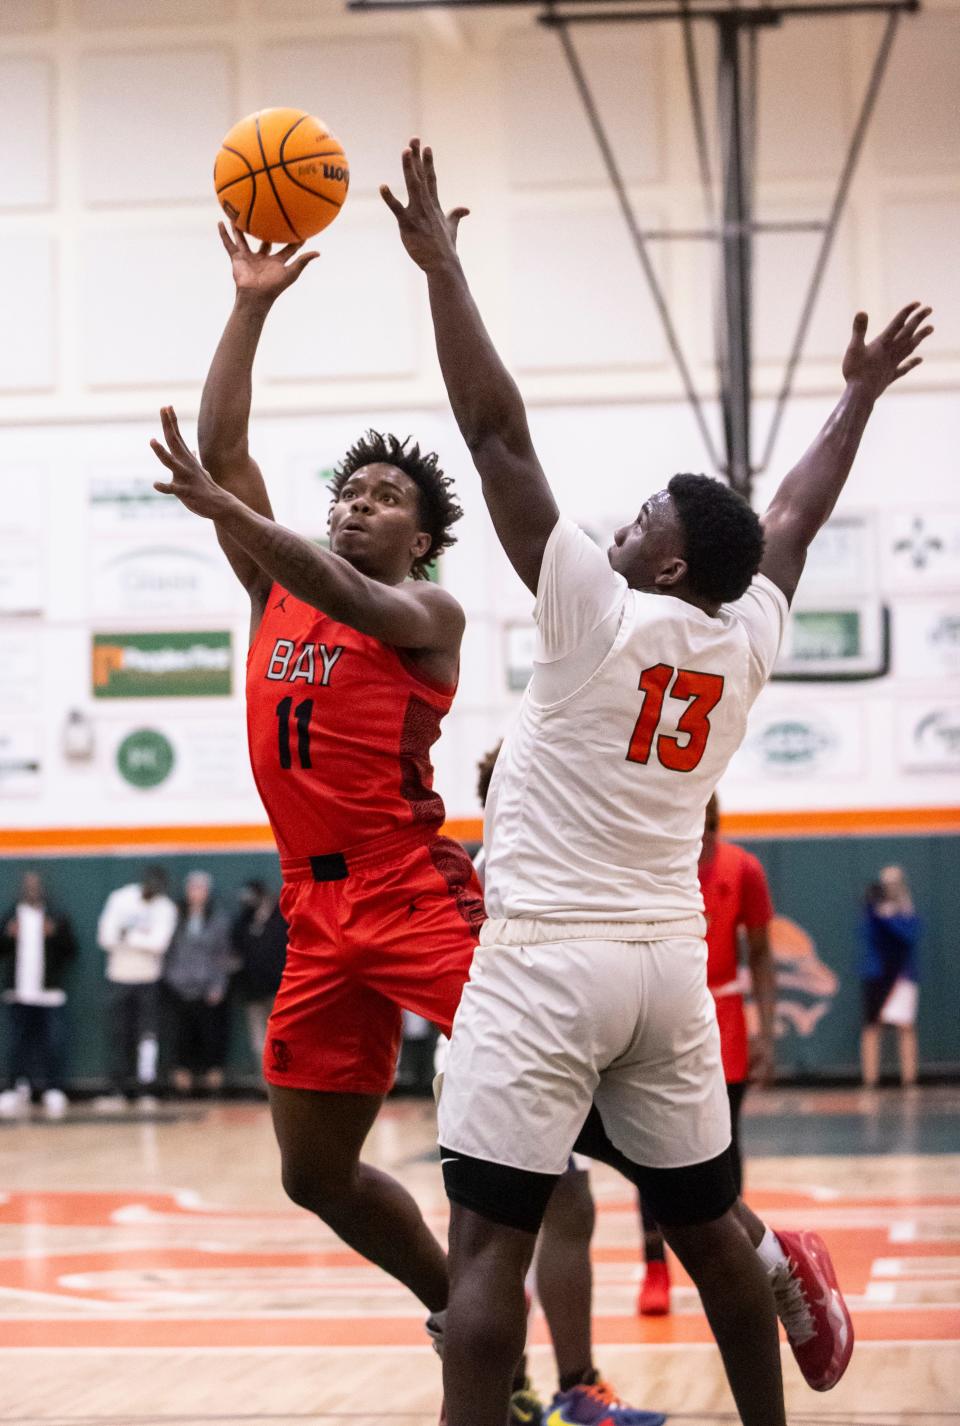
113, 290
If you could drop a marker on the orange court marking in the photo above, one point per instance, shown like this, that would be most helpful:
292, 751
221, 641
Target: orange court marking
179, 1273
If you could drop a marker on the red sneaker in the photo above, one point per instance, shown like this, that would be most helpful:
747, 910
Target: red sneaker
654, 1297
811, 1307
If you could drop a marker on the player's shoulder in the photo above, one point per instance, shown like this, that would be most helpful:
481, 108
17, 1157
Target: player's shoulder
440, 602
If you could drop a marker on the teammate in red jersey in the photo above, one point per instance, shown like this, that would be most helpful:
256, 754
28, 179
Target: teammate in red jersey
351, 668
735, 897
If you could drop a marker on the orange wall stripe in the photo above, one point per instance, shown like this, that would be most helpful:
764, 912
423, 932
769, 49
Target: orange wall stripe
849, 822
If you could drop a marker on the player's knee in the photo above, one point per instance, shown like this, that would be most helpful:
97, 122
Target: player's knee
712, 1250
322, 1188
475, 1331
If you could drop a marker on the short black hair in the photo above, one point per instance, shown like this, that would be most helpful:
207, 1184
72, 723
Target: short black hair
485, 772
722, 534
439, 508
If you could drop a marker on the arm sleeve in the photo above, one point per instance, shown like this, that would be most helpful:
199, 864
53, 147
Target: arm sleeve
577, 594
756, 907
763, 613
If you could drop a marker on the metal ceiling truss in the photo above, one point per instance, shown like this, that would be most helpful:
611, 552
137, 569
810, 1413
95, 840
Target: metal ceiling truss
730, 224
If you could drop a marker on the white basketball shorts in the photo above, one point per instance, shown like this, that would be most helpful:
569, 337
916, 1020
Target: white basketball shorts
552, 1022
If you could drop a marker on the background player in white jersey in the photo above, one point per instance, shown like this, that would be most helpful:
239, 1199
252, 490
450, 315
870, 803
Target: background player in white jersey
587, 1020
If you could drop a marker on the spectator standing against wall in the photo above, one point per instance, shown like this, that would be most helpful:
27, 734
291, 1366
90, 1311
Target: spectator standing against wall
259, 939
889, 971
196, 974
37, 945
736, 902
135, 929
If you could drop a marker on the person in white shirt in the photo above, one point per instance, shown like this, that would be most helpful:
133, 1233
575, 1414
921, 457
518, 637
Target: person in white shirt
135, 929
587, 1021
37, 947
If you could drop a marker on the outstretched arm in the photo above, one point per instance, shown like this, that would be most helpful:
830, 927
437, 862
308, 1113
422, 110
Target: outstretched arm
483, 394
806, 497
260, 277
418, 618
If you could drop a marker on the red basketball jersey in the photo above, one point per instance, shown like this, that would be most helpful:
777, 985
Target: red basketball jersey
340, 729
735, 894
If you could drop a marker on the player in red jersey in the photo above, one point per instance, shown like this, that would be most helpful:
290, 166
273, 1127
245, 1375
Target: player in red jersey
735, 897
350, 671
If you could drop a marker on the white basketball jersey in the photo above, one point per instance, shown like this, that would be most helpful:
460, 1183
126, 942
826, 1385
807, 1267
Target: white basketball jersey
636, 706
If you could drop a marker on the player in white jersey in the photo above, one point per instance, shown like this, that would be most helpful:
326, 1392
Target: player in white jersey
587, 1021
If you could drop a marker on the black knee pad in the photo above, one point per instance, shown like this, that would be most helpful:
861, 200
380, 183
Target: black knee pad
517, 1198
675, 1198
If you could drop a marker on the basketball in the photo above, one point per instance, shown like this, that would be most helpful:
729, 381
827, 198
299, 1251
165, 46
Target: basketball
281, 176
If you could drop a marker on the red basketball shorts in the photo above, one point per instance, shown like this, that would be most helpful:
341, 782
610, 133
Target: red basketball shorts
392, 926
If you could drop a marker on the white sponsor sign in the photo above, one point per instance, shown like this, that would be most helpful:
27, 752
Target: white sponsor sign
825, 740
204, 759
843, 557
21, 768
520, 647
161, 579
926, 638
921, 550
20, 672
928, 735
22, 541
122, 502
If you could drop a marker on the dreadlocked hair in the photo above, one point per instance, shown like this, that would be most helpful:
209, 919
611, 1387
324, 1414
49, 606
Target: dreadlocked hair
439, 508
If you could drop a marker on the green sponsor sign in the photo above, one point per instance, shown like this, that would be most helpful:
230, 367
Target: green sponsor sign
145, 758
195, 665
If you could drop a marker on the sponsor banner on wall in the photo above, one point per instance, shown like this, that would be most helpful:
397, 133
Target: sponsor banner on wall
21, 767
520, 646
161, 579
180, 757
921, 550
119, 503
162, 665
843, 557
21, 677
825, 740
306, 495
927, 638
928, 734
23, 541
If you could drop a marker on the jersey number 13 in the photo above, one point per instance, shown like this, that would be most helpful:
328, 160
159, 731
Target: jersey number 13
700, 691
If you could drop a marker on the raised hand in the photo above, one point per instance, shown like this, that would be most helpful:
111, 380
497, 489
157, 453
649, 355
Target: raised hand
191, 484
262, 271
429, 235
878, 363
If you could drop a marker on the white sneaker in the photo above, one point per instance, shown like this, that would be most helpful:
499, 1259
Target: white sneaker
55, 1103
109, 1103
147, 1103
13, 1104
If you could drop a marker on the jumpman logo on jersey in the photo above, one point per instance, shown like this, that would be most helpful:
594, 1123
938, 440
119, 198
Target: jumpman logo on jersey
281, 604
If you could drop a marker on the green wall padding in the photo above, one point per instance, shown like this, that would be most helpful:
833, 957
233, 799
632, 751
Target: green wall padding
816, 882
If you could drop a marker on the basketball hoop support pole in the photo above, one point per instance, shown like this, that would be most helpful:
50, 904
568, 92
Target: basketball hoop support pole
736, 111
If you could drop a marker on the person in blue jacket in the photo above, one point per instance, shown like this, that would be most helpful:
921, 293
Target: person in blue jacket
889, 971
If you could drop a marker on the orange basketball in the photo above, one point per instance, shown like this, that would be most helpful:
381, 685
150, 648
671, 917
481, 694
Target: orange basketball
280, 175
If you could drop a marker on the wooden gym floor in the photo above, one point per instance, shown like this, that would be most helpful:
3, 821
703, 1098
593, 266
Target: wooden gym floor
151, 1272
